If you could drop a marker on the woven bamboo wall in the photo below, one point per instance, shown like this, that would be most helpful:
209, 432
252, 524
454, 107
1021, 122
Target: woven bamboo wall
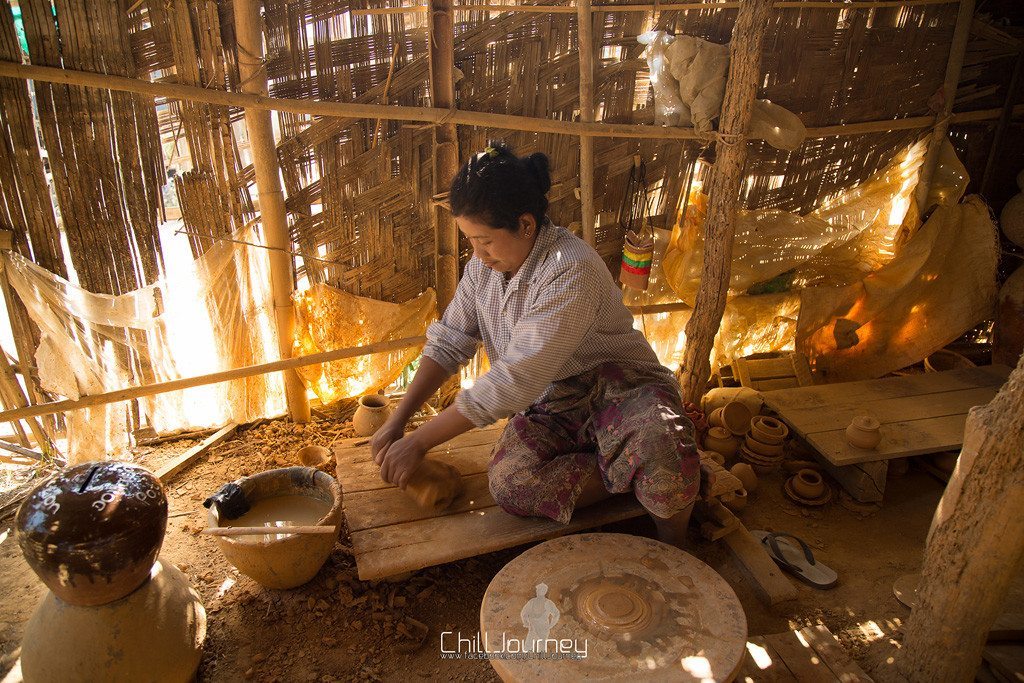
359, 193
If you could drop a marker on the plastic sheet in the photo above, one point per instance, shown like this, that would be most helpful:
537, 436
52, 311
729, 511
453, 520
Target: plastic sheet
327, 318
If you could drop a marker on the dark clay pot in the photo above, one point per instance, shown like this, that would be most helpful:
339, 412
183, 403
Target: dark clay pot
93, 533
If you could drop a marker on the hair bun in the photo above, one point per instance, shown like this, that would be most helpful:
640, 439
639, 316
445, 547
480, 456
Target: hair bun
540, 166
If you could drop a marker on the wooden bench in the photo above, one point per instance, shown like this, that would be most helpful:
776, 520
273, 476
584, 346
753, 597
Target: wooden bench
810, 655
919, 414
391, 535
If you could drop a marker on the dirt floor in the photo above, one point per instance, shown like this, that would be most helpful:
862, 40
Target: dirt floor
338, 628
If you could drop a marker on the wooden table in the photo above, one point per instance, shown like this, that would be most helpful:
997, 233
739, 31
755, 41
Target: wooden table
919, 414
392, 535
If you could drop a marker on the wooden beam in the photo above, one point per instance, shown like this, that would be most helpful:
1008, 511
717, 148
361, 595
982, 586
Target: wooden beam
768, 581
975, 545
1004, 122
259, 126
172, 468
667, 7
212, 378
585, 43
723, 194
957, 50
395, 112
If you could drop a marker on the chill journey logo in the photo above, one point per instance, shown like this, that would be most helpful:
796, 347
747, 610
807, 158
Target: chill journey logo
539, 616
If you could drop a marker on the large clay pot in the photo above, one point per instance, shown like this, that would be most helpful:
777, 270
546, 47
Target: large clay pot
93, 533
279, 560
736, 417
808, 484
1008, 333
372, 413
156, 633
717, 398
864, 432
745, 473
721, 440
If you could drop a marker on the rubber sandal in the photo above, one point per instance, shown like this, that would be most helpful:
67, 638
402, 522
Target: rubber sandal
797, 559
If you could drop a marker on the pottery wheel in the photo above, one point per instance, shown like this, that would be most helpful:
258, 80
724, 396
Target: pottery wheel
636, 607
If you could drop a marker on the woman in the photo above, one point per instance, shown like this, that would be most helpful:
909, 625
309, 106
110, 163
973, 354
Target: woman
592, 411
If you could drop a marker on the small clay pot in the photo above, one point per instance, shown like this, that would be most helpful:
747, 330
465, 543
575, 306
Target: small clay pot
736, 417
311, 456
93, 533
715, 418
735, 501
864, 432
768, 450
808, 484
768, 429
372, 413
721, 440
745, 473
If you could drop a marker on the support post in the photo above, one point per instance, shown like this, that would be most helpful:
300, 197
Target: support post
258, 125
723, 194
585, 39
1004, 122
975, 545
954, 64
446, 147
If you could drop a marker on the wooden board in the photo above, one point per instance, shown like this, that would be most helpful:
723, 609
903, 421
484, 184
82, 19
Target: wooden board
766, 374
1006, 660
919, 414
392, 535
178, 464
770, 583
810, 655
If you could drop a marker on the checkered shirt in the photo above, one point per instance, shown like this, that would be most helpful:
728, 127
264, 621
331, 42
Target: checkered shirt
560, 315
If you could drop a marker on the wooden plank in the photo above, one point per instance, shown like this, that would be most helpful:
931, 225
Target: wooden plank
763, 664
888, 387
172, 468
801, 658
802, 370
390, 550
364, 475
775, 384
902, 409
829, 649
770, 368
1006, 660
369, 509
899, 440
768, 581
360, 445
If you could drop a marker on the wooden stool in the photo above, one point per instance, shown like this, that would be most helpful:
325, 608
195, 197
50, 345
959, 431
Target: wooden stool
611, 607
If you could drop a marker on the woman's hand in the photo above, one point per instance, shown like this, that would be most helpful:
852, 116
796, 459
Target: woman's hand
391, 431
400, 460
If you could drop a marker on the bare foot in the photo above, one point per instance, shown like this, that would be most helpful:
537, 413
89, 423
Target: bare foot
673, 529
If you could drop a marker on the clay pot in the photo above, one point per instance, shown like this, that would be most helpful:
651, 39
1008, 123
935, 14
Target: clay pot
735, 501
745, 473
768, 429
154, 634
289, 560
864, 432
93, 533
769, 450
311, 456
808, 484
372, 413
944, 359
721, 440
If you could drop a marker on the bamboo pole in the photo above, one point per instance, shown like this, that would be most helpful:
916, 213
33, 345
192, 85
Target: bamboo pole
668, 7
975, 545
723, 194
212, 378
394, 112
1001, 126
258, 124
954, 65
585, 35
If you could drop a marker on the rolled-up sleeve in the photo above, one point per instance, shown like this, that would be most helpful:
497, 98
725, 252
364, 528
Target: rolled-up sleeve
543, 340
453, 340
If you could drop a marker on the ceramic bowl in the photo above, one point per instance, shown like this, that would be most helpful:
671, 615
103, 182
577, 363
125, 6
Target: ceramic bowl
736, 417
808, 484
768, 429
765, 449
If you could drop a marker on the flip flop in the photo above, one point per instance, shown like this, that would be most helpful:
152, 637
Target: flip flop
797, 559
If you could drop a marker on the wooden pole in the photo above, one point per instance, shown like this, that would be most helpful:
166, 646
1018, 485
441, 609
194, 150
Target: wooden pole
1004, 123
258, 124
585, 34
975, 545
723, 194
667, 7
212, 378
446, 147
395, 112
954, 65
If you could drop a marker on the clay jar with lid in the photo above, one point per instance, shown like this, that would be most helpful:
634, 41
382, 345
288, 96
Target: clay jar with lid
93, 533
721, 440
864, 431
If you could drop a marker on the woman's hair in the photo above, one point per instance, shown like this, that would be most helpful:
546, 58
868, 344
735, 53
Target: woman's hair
496, 187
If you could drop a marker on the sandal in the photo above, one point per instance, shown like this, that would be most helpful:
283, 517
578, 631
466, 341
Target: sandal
797, 559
